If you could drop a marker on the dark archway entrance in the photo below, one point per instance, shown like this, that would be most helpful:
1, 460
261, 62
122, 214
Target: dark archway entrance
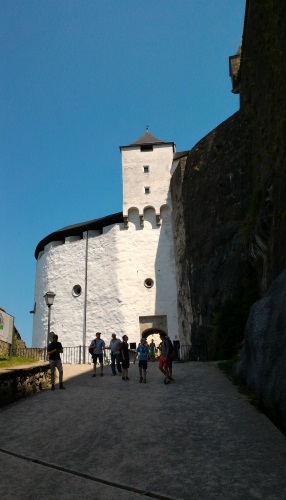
152, 331
153, 334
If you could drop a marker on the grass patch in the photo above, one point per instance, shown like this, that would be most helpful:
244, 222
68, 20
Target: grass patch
5, 362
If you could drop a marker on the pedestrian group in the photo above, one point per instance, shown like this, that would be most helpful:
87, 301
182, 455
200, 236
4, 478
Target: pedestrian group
120, 359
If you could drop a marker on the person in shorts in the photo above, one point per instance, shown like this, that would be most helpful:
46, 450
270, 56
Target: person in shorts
99, 348
142, 353
124, 352
165, 357
55, 349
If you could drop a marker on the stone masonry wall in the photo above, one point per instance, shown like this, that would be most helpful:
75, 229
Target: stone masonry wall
4, 348
210, 196
262, 360
263, 105
234, 209
182, 261
22, 382
232, 187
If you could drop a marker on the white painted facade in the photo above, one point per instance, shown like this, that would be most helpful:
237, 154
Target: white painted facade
111, 264
159, 163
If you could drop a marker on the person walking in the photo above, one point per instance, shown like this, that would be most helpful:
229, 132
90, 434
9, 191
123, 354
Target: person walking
124, 352
55, 350
142, 353
165, 357
152, 351
115, 354
99, 348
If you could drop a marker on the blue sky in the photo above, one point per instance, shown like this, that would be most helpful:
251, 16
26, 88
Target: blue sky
79, 78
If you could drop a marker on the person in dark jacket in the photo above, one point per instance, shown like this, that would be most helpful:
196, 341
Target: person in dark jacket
55, 349
124, 352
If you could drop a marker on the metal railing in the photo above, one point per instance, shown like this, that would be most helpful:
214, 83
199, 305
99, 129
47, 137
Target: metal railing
80, 354
202, 352
30, 353
70, 355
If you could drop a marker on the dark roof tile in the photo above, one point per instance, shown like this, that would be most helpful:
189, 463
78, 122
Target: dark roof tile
180, 154
78, 229
147, 139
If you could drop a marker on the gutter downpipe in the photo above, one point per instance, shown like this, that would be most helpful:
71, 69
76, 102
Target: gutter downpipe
85, 297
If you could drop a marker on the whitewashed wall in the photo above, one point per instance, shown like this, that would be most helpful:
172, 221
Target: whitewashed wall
134, 179
119, 260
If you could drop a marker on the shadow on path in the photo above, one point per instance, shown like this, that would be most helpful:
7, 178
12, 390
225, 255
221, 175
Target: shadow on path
103, 438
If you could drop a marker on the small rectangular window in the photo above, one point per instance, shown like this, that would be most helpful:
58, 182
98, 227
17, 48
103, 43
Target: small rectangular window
147, 190
146, 169
146, 147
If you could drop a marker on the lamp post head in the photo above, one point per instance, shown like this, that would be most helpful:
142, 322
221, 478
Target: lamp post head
49, 298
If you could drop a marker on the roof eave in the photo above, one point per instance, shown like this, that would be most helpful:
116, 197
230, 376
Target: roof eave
149, 144
79, 229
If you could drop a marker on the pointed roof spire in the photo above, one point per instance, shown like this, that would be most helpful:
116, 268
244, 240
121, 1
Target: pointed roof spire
147, 139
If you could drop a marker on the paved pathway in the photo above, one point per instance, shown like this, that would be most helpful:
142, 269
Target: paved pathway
103, 438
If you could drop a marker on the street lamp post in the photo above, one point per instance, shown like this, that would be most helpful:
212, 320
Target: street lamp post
49, 298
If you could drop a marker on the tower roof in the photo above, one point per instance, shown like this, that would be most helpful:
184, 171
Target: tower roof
147, 139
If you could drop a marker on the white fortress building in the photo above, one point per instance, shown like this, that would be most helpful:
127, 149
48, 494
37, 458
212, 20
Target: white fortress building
115, 274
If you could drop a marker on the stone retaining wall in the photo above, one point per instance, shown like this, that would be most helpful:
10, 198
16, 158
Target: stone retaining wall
23, 381
4, 348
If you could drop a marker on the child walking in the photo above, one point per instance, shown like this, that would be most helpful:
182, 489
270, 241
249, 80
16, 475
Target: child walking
142, 352
124, 358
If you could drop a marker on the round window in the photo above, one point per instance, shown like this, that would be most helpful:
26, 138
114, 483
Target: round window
76, 291
148, 283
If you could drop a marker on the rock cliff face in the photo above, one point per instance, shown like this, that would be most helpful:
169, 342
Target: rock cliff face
229, 212
262, 361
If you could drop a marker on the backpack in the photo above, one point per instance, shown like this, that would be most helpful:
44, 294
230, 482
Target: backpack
171, 347
91, 349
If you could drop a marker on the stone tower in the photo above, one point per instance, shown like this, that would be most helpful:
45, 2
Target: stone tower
115, 274
146, 172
